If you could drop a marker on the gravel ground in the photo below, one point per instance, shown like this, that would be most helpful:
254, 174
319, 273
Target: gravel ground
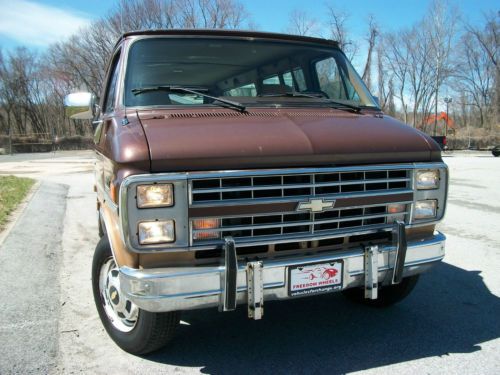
449, 324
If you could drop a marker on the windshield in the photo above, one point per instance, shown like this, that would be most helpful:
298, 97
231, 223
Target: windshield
251, 71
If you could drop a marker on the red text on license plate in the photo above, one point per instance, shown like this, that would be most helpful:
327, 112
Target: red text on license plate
315, 278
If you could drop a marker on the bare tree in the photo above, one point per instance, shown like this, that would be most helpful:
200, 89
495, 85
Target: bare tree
32, 88
396, 57
385, 83
421, 74
24, 92
475, 74
301, 23
419, 59
488, 40
439, 29
82, 60
337, 24
210, 14
372, 36
391, 105
5, 97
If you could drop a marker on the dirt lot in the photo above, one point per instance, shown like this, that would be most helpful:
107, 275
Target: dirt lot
450, 323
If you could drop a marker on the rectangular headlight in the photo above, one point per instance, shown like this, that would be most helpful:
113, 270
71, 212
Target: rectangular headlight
156, 195
425, 209
154, 232
427, 179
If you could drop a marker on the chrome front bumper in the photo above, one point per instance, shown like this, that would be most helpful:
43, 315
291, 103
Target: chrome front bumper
185, 288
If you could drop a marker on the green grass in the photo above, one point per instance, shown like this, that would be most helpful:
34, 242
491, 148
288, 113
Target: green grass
12, 191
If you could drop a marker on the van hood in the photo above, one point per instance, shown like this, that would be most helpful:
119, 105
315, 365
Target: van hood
224, 139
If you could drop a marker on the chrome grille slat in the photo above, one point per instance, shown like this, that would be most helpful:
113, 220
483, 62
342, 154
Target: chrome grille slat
298, 223
236, 188
264, 186
297, 198
294, 237
298, 186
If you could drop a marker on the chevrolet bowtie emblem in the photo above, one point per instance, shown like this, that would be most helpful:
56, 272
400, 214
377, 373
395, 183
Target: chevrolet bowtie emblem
315, 205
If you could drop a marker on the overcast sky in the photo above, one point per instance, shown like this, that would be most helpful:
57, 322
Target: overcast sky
37, 23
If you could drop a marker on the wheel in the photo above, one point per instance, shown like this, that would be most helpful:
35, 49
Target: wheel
134, 330
387, 295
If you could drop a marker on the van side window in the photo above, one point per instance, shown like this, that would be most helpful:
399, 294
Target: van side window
246, 90
332, 81
111, 89
300, 80
273, 80
288, 79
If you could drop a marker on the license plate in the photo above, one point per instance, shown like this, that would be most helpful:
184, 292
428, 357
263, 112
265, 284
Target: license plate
315, 278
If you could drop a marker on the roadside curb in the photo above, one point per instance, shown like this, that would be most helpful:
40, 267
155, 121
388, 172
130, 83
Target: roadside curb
467, 153
16, 214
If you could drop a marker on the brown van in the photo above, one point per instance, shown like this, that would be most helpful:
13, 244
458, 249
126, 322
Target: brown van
234, 168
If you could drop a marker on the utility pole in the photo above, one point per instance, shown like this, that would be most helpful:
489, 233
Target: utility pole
10, 136
436, 112
437, 95
447, 100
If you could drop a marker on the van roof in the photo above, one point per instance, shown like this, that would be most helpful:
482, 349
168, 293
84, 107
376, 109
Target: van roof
234, 33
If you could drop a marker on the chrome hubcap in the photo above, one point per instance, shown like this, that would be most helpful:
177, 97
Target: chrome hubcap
121, 312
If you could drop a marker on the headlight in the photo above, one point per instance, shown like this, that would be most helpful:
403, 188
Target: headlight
425, 209
153, 232
202, 229
427, 179
157, 195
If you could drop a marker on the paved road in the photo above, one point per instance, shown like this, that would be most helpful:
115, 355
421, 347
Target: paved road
29, 291
449, 324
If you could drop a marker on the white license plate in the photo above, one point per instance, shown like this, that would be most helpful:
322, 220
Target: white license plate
315, 278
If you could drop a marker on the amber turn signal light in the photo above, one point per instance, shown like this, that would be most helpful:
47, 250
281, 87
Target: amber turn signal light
202, 229
395, 208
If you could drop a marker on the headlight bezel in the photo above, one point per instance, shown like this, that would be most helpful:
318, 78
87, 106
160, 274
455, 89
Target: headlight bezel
130, 215
427, 193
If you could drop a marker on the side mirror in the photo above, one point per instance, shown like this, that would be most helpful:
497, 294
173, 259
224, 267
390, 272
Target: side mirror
79, 105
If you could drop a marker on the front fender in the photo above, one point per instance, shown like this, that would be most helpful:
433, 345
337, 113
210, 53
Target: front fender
122, 256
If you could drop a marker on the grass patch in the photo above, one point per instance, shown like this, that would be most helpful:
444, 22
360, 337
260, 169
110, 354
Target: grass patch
12, 191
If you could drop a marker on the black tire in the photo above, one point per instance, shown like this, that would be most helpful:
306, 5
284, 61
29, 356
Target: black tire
387, 295
100, 226
151, 332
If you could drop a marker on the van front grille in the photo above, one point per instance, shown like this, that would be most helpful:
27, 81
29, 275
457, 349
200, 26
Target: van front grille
268, 207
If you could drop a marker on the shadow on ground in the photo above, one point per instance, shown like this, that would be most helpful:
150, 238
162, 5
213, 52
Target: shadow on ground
450, 311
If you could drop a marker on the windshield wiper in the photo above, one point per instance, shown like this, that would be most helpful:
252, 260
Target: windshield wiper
230, 103
338, 104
